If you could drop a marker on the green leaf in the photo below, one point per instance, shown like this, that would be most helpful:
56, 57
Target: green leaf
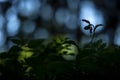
102, 46
13, 52
16, 41
88, 27
84, 20
20, 41
36, 43
98, 26
24, 41
98, 43
69, 42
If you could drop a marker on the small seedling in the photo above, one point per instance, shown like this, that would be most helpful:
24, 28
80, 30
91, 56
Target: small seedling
92, 28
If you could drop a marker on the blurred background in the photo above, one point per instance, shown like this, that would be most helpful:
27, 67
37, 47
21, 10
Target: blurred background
42, 19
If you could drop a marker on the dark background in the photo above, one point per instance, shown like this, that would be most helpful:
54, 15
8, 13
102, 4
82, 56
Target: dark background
35, 19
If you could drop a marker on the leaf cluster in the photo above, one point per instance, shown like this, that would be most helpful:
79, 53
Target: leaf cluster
46, 63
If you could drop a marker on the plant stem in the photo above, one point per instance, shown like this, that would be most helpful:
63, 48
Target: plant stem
92, 37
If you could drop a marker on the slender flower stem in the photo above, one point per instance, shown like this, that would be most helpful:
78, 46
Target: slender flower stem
92, 39
92, 35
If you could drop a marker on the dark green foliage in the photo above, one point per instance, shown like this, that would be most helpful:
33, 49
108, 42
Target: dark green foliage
19, 42
95, 61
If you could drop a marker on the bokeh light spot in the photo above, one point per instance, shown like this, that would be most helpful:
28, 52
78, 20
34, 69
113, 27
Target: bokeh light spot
13, 26
2, 21
73, 4
71, 23
89, 12
41, 33
28, 26
29, 8
46, 12
62, 15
